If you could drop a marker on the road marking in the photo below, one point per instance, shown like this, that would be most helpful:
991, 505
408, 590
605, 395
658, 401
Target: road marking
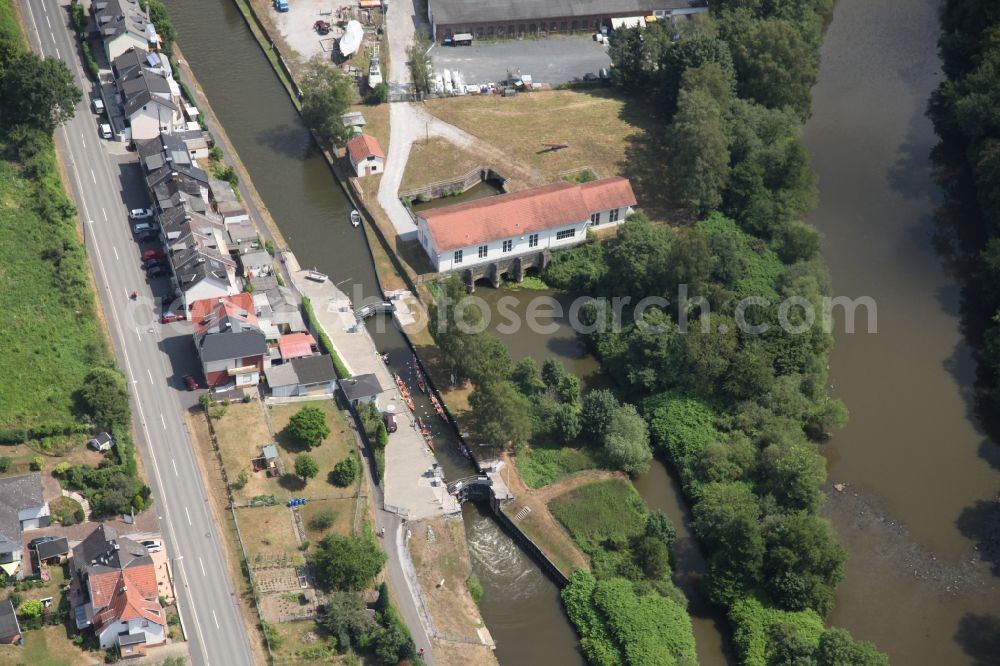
116, 252
84, 141
58, 55
163, 421
214, 617
105, 214
150, 373
186, 513
48, 22
202, 567
174, 463
137, 334
93, 177
44, 10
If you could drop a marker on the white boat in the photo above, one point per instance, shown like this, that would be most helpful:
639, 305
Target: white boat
448, 87
374, 74
351, 40
355, 218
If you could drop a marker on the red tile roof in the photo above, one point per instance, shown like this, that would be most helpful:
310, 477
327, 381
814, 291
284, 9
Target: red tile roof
207, 311
125, 595
294, 345
539, 208
363, 145
608, 193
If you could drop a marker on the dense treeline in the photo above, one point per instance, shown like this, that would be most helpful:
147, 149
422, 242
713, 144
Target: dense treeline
967, 160
733, 389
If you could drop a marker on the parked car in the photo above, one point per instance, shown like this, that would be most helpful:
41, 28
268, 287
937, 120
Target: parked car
154, 263
152, 545
191, 383
105, 131
390, 421
37, 541
158, 253
590, 76
170, 317
157, 271
143, 226
97, 105
102, 442
147, 236
140, 213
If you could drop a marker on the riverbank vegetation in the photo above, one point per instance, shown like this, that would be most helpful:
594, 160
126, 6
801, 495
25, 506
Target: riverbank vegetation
58, 376
967, 167
733, 390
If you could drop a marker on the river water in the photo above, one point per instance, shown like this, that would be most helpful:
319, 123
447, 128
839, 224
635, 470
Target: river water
921, 473
521, 606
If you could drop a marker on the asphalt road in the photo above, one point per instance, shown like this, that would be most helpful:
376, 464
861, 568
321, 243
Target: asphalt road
552, 60
154, 358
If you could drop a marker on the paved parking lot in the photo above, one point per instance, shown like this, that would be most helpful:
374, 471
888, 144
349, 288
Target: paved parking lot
553, 60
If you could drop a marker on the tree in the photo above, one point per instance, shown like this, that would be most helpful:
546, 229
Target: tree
346, 563
500, 414
837, 648
308, 426
326, 95
346, 618
486, 359
306, 466
775, 65
104, 397
599, 408
653, 557
788, 647
693, 50
31, 608
727, 520
568, 391
419, 64
381, 436
698, 151
659, 526
39, 93
527, 378
552, 372
562, 422
803, 563
637, 259
635, 54
346, 471
792, 473
322, 520
626, 444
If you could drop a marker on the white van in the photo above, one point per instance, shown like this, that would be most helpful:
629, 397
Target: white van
106, 132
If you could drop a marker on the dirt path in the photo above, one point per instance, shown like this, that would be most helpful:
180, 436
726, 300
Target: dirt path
539, 523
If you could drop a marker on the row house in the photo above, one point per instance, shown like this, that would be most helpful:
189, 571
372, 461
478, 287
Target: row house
122, 25
230, 343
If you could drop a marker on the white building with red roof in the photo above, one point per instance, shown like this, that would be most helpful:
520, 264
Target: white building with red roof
496, 230
366, 155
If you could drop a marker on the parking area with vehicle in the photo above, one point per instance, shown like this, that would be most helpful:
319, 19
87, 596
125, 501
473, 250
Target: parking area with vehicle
553, 60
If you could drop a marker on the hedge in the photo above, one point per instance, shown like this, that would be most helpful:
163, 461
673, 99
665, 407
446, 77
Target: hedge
751, 621
324, 340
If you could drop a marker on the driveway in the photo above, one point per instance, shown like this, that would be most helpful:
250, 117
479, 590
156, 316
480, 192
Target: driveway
552, 60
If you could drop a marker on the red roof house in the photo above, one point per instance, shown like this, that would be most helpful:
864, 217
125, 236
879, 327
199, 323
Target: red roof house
366, 155
296, 345
230, 343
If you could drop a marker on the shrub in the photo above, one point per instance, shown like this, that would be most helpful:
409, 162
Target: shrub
346, 471
62, 468
4, 464
37, 463
322, 520
241, 480
475, 587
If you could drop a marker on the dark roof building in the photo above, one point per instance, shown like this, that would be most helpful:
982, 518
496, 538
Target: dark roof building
52, 549
302, 376
10, 628
363, 388
168, 170
123, 25
22, 506
488, 18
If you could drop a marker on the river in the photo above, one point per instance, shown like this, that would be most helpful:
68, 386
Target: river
521, 606
921, 473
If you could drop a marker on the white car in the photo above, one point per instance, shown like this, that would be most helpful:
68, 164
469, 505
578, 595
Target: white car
98, 106
152, 545
140, 213
106, 132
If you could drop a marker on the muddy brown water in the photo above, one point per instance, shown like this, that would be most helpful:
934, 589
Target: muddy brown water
921, 474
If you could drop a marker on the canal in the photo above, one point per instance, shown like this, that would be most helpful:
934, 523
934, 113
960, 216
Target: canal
921, 474
521, 606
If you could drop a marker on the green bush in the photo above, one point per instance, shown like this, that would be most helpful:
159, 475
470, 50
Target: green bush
5, 464
322, 520
37, 463
346, 471
324, 341
475, 587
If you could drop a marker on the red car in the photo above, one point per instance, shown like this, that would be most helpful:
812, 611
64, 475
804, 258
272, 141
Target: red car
154, 254
191, 383
170, 317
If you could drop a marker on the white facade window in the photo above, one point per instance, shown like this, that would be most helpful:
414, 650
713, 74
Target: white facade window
508, 245
613, 214
483, 251
565, 233
533, 240
458, 256
595, 218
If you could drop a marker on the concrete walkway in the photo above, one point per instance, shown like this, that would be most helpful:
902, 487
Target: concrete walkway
408, 460
84, 504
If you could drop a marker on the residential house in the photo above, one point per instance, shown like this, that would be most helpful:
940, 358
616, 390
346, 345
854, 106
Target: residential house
229, 341
278, 311
309, 375
150, 97
511, 232
489, 20
22, 507
361, 388
171, 176
102, 442
10, 628
257, 263
123, 25
114, 591
366, 155
52, 552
